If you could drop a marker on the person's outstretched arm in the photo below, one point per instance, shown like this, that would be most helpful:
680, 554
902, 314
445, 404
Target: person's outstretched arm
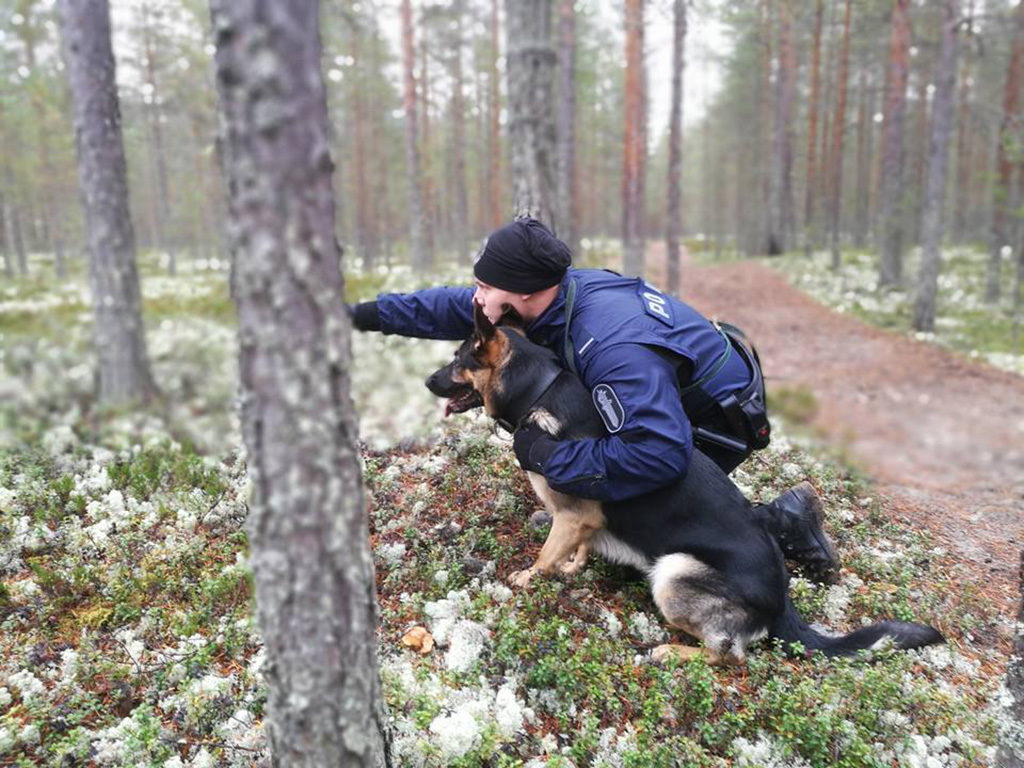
445, 312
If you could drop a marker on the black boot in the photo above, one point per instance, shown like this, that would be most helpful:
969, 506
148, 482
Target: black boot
795, 520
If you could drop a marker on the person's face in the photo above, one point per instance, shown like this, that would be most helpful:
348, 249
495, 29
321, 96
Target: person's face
494, 301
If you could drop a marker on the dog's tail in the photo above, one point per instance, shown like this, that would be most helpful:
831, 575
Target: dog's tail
901, 635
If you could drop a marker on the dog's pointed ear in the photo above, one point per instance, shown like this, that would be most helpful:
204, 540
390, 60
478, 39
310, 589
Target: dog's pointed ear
513, 320
484, 327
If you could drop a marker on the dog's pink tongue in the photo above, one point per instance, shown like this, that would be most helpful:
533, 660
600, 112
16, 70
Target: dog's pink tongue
448, 407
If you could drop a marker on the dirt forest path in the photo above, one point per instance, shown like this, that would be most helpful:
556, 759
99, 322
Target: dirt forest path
942, 435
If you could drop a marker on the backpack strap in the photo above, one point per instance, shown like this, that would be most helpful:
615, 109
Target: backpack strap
568, 350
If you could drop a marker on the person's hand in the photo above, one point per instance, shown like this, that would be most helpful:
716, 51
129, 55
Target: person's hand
364, 316
533, 446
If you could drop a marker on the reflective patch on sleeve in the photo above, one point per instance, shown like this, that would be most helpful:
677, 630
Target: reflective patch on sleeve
607, 403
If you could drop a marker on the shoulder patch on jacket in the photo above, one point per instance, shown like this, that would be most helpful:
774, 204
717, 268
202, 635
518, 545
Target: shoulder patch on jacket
607, 403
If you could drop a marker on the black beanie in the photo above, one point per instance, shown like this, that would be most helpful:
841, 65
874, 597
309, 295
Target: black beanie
522, 257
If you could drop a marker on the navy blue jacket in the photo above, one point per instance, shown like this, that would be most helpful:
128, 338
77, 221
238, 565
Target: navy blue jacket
621, 330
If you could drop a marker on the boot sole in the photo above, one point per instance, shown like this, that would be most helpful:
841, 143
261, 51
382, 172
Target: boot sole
826, 574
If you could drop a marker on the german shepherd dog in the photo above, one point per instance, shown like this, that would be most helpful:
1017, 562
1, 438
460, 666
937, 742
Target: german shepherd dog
715, 573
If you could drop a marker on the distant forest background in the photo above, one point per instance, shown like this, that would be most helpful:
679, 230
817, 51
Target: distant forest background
814, 128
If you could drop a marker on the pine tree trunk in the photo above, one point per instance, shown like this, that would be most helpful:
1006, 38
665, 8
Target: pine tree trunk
962, 197
419, 256
1011, 731
634, 150
5, 240
54, 238
782, 224
892, 204
309, 541
429, 196
763, 153
864, 132
1004, 165
13, 234
568, 189
162, 203
365, 238
938, 161
494, 143
812, 122
531, 127
461, 213
124, 372
838, 134
675, 148
917, 183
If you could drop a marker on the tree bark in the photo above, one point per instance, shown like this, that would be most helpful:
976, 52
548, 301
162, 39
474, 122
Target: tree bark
162, 199
531, 129
891, 198
494, 134
48, 185
938, 161
762, 149
838, 134
782, 224
311, 562
634, 149
568, 189
366, 240
1011, 731
812, 122
429, 195
460, 216
124, 372
962, 197
419, 255
5, 240
1004, 165
675, 147
865, 112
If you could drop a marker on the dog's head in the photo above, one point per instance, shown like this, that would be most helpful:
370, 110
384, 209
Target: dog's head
473, 377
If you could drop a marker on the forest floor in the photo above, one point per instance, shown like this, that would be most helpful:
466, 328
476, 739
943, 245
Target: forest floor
941, 433
127, 635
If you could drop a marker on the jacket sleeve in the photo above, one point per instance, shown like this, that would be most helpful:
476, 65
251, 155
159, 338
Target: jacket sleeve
445, 312
651, 448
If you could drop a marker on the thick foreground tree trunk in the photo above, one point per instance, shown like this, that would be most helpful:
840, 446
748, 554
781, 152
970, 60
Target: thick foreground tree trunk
938, 162
308, 530
124, 372
531, 126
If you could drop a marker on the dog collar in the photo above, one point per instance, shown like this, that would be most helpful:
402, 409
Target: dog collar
513, 412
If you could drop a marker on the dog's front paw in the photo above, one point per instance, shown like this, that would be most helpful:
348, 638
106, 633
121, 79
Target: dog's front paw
663, 653
521, 578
